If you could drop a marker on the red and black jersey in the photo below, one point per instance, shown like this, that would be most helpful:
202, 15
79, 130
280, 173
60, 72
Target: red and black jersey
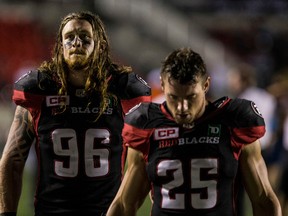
192, 168
79, 159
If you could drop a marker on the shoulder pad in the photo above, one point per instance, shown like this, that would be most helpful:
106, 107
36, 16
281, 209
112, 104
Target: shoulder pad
35, 82
138, 115
245, 113
130, 85
221, 102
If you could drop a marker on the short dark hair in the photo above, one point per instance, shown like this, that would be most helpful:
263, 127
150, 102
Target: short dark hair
184, 65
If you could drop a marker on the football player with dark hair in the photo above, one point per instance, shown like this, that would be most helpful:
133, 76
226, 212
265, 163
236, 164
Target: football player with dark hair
187, 150
73, 106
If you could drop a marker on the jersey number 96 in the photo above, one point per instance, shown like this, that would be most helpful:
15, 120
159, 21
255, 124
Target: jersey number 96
95, 159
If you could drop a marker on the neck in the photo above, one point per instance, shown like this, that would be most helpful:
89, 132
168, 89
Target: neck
202, 111
78, 78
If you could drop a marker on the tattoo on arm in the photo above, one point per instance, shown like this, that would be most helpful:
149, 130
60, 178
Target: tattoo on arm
21, 135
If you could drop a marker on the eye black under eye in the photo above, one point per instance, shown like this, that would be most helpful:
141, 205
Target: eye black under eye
191, 97
84, 37
173, 97
69, 37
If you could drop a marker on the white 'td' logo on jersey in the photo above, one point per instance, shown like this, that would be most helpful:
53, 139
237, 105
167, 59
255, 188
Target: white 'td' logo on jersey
166, 133
214, 130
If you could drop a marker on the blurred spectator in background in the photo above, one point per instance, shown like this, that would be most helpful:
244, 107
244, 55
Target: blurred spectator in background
6, 113
283, 190
242, 83
153, 79
279, 88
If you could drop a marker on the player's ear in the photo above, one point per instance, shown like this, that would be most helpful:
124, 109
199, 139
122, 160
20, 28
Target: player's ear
161, 83
206, 85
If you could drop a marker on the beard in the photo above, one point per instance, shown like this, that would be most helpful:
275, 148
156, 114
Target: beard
78, 63
182, 121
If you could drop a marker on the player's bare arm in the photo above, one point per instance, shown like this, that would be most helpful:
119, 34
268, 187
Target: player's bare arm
127, 202
20, 139
255, 179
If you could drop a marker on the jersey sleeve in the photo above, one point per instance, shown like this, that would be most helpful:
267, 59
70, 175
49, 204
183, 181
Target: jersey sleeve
134, 133
133, 90
28, 91
246, 122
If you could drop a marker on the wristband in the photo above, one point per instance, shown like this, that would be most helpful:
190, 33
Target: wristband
8, 214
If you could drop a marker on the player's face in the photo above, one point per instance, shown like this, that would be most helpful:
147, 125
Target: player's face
78, 43
185, 102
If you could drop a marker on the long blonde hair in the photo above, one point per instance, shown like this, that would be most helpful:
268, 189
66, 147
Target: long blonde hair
101, 65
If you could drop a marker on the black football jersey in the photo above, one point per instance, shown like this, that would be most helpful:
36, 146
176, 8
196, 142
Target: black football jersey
80, 160
192, 168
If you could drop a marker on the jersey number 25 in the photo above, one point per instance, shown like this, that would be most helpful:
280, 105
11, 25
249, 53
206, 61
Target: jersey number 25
198, 184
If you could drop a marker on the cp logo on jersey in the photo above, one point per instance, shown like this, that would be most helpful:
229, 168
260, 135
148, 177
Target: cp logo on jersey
166, 133
57, 100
